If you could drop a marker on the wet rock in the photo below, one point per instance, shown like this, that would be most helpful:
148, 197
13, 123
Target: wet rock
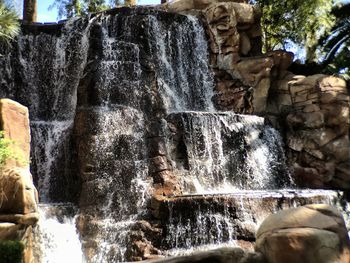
143, 238
158, 164
183, 217
312, 233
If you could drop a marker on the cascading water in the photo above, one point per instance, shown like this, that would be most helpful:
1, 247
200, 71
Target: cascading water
225, 152
43, 72
198, 222
49, 139
57, 235
184, 76
125, 101
94, 89
119, 183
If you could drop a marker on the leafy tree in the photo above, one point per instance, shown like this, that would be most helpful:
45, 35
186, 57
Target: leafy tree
336, 44
71, 8
300, 22
9, 24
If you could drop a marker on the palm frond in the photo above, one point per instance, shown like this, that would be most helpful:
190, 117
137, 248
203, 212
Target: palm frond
9, 24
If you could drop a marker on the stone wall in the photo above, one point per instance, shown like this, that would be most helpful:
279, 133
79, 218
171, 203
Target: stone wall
315, 113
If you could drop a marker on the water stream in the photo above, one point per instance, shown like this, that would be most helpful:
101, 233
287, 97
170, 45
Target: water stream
93, 88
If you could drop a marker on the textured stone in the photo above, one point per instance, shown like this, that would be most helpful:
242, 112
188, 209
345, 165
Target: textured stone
260, 95
312, 233
318, 127
306, 245
18, 193
158, 164
310, 216
180, 5
14, 121
222, 255
28, 219
9, 231
245, 45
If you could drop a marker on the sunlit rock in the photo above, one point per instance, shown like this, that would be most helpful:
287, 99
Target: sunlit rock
14, 122
312, 233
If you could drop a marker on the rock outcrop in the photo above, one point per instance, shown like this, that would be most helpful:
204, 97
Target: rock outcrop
242, 79
316, 111
311, 233
312, 112
14, 122
18, 195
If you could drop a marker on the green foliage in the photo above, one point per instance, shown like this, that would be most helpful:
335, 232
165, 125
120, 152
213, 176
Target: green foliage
297, 21
9, 24
11, 251
7, 152
72, 8
336, 45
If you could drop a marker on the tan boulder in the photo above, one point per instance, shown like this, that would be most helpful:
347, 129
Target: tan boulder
28, 219
14, 121
9, 231
17, 192
180, 5
311, 233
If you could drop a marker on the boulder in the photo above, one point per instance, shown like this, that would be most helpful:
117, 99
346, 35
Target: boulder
14, 121
28, 219
17, 192
9, 231
311, 233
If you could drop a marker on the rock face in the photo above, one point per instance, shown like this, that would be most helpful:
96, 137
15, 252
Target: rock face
318, 131
312, 111
312, 233
14, 121
242, 80
18, 195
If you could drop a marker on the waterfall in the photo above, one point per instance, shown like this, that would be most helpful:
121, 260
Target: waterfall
226, 152
110, 95
197, 222
50, 140
47, 84
123, 102
57, 236
120, 183
184, 77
